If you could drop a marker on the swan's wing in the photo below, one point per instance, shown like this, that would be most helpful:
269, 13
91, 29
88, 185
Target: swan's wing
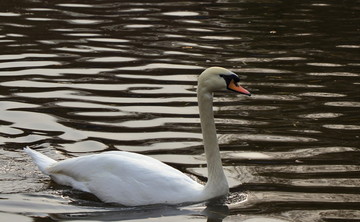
126, 178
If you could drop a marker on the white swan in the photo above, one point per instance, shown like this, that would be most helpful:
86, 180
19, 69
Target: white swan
133, 179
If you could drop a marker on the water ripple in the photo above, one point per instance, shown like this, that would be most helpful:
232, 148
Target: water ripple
27, 64
343, 104
320, 115
342, 127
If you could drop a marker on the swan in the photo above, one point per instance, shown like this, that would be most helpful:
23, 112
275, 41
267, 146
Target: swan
132, 179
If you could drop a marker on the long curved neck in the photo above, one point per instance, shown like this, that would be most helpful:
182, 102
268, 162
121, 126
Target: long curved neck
217, 184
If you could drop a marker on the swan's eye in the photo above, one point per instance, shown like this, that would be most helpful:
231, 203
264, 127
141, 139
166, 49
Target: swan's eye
228, 78
235, 78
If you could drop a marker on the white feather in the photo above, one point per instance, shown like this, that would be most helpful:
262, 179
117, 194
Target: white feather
42, 161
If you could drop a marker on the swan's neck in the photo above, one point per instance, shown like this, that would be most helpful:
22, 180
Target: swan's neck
217, 184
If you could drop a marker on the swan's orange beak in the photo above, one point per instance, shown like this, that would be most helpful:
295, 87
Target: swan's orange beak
237, 88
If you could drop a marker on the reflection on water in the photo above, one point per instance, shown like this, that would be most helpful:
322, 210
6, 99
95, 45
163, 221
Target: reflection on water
79, 78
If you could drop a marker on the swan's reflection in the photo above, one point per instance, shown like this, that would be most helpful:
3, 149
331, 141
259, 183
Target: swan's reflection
211, 212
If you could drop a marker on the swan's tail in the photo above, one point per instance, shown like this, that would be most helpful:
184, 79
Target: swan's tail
42, 161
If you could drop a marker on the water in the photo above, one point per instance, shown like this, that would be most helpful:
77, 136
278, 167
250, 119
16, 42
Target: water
84, 77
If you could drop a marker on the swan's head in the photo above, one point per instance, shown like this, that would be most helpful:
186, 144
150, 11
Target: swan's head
220, 79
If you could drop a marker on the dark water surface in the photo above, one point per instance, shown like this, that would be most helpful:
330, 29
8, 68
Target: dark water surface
80, 77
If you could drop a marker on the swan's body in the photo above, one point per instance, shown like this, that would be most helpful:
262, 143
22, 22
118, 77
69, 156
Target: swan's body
133, 179
122, 177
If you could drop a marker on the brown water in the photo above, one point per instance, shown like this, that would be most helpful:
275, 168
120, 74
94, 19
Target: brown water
80, 77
